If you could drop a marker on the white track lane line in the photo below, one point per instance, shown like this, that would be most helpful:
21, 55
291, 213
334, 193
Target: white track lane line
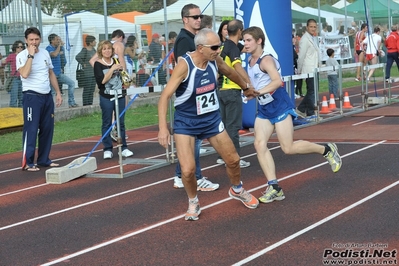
369, 120
112, 241
22, 189
332, 216
168, 179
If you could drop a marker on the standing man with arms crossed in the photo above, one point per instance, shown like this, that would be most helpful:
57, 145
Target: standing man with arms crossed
308, 60
36, 70
197, 116
191, 16
230, 93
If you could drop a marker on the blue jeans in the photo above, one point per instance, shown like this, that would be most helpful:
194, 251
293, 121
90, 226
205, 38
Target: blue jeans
333, 85
16, 93
307, 103
64, 79
107, 110
198, 174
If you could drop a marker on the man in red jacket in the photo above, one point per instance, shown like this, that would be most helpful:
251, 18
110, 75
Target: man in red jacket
392, 44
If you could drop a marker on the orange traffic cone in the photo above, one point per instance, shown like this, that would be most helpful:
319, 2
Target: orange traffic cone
347, 103
331, 104
324, 106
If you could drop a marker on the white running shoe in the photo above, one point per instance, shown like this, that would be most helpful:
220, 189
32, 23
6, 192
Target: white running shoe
127, 153
244, 164
220, 161
108, 155
177, 182
204, 184
193, 211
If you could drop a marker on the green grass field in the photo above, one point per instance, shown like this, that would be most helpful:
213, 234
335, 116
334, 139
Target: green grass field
84, 126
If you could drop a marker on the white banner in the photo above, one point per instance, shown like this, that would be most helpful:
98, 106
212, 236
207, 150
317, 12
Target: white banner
339, 43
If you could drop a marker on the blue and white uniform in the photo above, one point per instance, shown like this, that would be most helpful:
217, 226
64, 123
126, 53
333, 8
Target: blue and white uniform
196, 105
274, 104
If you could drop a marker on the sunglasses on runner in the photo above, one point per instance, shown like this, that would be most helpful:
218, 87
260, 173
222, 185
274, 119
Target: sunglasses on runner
212, 47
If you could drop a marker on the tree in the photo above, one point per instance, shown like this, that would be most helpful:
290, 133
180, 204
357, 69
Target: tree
313, 3
62, 7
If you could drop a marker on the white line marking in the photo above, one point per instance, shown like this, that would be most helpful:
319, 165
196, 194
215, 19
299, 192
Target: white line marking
82, 205
83, 251
334, 215
369, 120
23, 189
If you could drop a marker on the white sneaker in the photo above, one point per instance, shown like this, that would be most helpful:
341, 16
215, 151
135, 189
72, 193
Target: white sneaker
178, 183
204, 184
108, 155
244, 164
127, 153
219, 161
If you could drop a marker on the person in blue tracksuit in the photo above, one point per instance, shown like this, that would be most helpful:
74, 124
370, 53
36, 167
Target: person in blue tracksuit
36, 70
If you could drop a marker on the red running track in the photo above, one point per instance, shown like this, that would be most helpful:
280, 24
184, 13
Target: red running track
139, 220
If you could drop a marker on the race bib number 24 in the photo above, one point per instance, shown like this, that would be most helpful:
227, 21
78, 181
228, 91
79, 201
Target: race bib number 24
207, 102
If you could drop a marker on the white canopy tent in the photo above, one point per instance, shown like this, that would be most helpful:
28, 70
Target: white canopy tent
341, 4
19, 11
223, 8
295, 6
93, 24
332, 19
17, 16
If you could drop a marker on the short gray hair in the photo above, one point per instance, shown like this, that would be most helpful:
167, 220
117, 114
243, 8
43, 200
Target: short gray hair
202, 36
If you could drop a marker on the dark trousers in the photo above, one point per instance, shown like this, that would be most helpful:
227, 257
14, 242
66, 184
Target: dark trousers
308, 102
230, 102
38, 110
298, 88
88, 91
390, 58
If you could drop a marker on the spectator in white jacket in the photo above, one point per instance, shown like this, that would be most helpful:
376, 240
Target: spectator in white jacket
308, 60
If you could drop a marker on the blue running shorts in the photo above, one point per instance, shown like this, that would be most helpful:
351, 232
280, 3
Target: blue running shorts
281, 117
200, 128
